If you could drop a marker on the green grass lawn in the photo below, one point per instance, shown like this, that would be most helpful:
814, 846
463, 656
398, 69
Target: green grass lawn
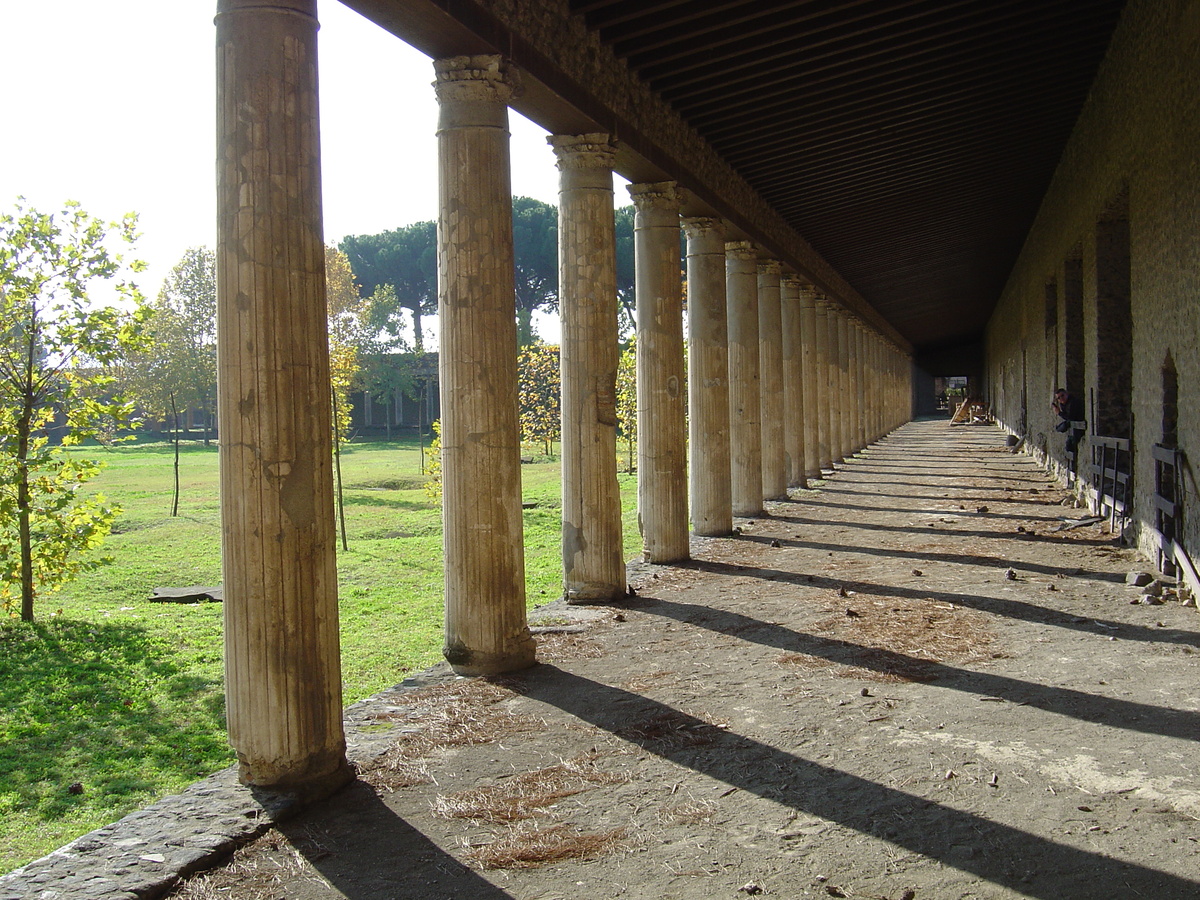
123, 698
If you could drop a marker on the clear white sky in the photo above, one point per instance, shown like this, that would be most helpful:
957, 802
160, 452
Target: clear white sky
112, 104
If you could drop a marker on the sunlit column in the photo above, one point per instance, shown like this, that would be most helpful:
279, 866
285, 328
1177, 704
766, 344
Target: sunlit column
282, 660
810, 354
662, 445
794, 410
594, 568
708, 378
771, 391
745, 425
486, 631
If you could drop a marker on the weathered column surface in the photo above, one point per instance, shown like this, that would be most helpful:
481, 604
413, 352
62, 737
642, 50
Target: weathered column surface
662, 440
794, 411
594, 569
708, 379
809, 354
821, 382
745, 425
770, 368
845, 399
486, 630
282, 660
854, 335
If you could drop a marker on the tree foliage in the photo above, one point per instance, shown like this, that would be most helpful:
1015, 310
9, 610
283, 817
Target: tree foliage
539, 390
626, 294
627, 401
177, 367
535, 256
404, 260
349, 335
58, 352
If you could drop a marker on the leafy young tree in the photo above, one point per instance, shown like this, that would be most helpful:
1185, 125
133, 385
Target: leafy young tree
349, 334
539, 390
177, 370
186, 313
57, 353
627, 400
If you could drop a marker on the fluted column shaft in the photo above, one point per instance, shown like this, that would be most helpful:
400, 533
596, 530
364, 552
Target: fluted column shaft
745, 405
282, 659
662, 443
708, 379
845, 400
794, 415
858, 396
593, 563
486, 630
770, 368
809, 354
821, 381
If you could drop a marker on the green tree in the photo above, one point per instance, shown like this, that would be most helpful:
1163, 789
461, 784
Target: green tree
626, 293
57, 354
535, 256
176, 369
404, 259
627, 400
539, 390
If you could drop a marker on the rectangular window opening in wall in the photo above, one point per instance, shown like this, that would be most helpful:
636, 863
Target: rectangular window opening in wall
1052, 367
1072, 323
1114, 323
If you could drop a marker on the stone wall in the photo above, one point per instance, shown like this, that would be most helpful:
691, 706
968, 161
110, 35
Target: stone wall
1128, 183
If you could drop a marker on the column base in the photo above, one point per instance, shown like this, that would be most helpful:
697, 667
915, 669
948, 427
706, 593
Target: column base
323, 776
465, 661
723, 531
664, 559
579, 592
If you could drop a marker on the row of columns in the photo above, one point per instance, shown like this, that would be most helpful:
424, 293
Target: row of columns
783, 382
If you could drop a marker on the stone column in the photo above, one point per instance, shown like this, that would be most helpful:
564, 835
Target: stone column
594, 568
708, 378
876, 388
662, 443
794, 415
835, 385
770, 368
745, 425
486, 631
859, 399
282, 659
845, 407
809, 354
821, 381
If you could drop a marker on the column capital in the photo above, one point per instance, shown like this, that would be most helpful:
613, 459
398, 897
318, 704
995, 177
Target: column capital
583, 151
701, 226
770, 267
740, 250
485, 78
662, 195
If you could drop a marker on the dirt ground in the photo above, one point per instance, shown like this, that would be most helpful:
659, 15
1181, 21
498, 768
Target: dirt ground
907, 683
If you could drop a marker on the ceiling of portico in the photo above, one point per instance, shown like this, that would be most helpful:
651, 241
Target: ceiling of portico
906, 143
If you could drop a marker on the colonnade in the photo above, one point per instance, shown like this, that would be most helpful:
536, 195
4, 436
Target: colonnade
782, 382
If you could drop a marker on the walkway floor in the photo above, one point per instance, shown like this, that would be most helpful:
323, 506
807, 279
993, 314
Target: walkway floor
906, 683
